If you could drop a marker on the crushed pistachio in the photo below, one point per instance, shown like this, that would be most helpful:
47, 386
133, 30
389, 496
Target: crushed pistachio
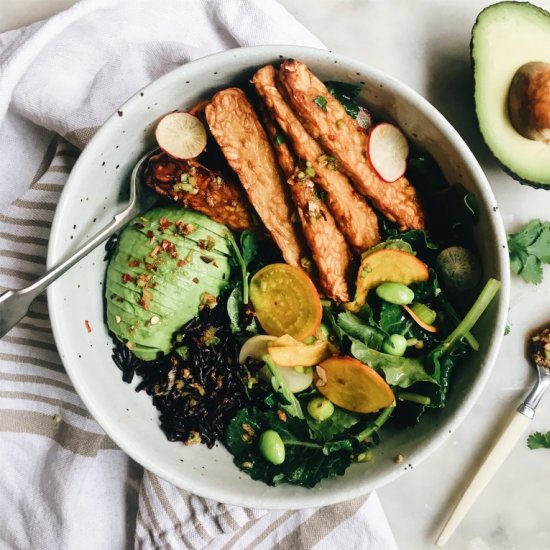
194, 438
306, 263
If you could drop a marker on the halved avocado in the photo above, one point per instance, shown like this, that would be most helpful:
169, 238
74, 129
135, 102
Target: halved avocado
505, 37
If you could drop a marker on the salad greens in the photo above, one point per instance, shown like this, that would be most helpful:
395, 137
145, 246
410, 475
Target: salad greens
420, 380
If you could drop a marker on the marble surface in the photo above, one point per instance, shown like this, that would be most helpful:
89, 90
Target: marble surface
425, 44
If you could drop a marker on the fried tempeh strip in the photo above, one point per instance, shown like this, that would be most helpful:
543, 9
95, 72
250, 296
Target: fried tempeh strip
235, 125
328, 247
355, 218
341, 136
194, 186
282, 150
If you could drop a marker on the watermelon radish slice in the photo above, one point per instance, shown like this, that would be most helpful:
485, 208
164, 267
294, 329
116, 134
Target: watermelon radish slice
181, 135
388, 151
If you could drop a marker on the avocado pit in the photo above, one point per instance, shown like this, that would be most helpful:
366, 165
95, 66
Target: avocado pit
529, 101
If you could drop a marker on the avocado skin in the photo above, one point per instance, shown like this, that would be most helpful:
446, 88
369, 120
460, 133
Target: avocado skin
504, 167
173, 291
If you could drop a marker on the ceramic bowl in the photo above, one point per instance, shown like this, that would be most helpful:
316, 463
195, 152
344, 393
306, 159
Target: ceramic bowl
96, 190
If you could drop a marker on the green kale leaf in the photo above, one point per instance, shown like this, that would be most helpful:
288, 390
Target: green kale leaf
335, 425
306, 462
392, 319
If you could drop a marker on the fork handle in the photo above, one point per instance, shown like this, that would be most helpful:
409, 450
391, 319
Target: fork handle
492, 463
14, 304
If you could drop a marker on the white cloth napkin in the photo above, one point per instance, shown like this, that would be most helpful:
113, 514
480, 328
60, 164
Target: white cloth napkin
63, 482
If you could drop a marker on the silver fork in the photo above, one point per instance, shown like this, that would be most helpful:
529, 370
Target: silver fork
14, 304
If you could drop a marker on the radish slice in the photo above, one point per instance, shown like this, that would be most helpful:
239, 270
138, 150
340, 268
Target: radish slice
181, 135
388, 150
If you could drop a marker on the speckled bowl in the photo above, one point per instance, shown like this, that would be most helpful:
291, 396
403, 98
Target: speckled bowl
96, 190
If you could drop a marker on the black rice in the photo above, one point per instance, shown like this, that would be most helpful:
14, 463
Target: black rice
198, 387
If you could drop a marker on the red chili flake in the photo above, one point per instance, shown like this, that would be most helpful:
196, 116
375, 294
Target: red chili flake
133, 263
164, 223
138, 225
127, 278
332, 137
144, 303
181, 263
87, 325
150, 234
155, 251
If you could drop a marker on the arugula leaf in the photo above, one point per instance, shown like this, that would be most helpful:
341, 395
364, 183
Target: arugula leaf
398, 371
279, 138
292, 405
306, 462
354, 327
539, 440
238, 257
328, 318
529, 249
249, 245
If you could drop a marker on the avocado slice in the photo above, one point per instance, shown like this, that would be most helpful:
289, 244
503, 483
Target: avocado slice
505, 37
164, 264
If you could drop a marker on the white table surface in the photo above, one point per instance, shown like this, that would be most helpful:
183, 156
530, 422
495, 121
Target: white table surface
425, 43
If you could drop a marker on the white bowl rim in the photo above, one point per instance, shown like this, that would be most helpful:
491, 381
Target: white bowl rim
445, 428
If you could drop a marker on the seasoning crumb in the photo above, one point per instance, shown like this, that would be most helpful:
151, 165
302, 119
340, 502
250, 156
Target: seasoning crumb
154, 319
56, 418
87, 325
399, 458
118, 319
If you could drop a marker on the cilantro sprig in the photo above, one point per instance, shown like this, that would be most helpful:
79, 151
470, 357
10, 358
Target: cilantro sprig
529, 249
539, 440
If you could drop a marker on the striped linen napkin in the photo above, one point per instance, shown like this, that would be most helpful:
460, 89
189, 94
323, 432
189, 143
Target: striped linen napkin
63, 483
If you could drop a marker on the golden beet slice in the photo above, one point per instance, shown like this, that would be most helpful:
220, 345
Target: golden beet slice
386, 266
285, 301
352, 385
288, 352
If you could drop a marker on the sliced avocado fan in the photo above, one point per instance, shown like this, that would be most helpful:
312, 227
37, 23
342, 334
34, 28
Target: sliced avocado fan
505, 37
167, 264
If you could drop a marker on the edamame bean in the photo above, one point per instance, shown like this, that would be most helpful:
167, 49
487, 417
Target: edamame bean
395, 344
395, 293
320, 408
272, 447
